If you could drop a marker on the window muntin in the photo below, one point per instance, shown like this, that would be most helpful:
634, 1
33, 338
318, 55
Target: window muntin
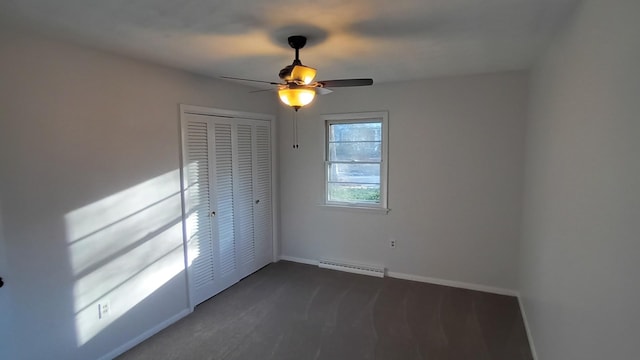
355, 153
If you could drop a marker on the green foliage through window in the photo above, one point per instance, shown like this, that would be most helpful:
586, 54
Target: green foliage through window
354, 194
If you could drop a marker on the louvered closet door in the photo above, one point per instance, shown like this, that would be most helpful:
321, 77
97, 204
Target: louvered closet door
262, 217
228, 201
209, 200
224, 234
198, 221
244, 198
253, 195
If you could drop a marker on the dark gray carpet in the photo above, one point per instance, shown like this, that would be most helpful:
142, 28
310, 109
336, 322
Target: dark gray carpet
294, 311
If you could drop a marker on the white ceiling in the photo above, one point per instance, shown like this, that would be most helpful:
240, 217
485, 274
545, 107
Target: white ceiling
383, 39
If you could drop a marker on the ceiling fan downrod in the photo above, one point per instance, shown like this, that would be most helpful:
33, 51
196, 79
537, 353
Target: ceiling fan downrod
297, 42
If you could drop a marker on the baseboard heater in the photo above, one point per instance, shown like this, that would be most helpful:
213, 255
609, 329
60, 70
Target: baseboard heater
361, 269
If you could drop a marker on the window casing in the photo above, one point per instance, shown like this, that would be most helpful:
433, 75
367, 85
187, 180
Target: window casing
356, 161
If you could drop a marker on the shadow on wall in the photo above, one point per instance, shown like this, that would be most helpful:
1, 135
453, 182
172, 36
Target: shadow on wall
122, 249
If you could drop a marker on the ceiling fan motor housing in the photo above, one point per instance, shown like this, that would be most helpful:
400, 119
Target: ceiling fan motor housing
297, 41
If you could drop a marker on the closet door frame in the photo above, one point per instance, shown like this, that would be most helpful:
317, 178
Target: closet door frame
186, 110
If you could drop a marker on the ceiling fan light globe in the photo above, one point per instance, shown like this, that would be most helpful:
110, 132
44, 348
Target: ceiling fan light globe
303, 73
297, 97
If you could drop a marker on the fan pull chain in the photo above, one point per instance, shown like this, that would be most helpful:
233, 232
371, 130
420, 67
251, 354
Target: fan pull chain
295, 130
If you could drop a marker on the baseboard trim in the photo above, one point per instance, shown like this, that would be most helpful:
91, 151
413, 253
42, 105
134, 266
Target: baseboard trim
452, 283
145, 335
299, 260
527, 328
424, 279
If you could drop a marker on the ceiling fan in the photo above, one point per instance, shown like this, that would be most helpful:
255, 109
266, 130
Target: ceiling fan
298, 88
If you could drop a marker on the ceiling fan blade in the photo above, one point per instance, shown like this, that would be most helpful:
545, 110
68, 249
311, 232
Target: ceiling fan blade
260, 81
346, 82
323, 91
261, 90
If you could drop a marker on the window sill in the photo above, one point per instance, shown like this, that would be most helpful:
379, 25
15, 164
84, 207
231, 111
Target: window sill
356, 208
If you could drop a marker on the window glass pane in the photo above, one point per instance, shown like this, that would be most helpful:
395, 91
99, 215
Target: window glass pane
355, 160
354, 193
355, 173
356, 132
358, 151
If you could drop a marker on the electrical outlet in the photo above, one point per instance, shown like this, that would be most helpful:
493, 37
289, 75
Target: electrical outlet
104, 309
392, 243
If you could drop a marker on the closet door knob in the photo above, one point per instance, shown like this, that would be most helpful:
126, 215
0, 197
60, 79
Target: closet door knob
257, 201
213, 213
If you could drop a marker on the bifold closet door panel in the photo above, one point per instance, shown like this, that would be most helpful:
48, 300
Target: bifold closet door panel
209, 206
244, 198
197, 196
223, 196
262, 215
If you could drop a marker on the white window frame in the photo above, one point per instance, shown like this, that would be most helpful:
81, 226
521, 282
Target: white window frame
350, 118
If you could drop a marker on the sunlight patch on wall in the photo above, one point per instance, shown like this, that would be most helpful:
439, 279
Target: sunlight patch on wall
126, 216
122, 249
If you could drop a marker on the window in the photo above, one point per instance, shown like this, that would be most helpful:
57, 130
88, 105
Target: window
356, 160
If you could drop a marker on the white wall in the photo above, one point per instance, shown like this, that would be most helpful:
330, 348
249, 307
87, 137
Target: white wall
89, 152
455, 164
579, 271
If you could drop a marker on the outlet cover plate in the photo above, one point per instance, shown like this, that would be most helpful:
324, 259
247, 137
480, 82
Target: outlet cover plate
104, 309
